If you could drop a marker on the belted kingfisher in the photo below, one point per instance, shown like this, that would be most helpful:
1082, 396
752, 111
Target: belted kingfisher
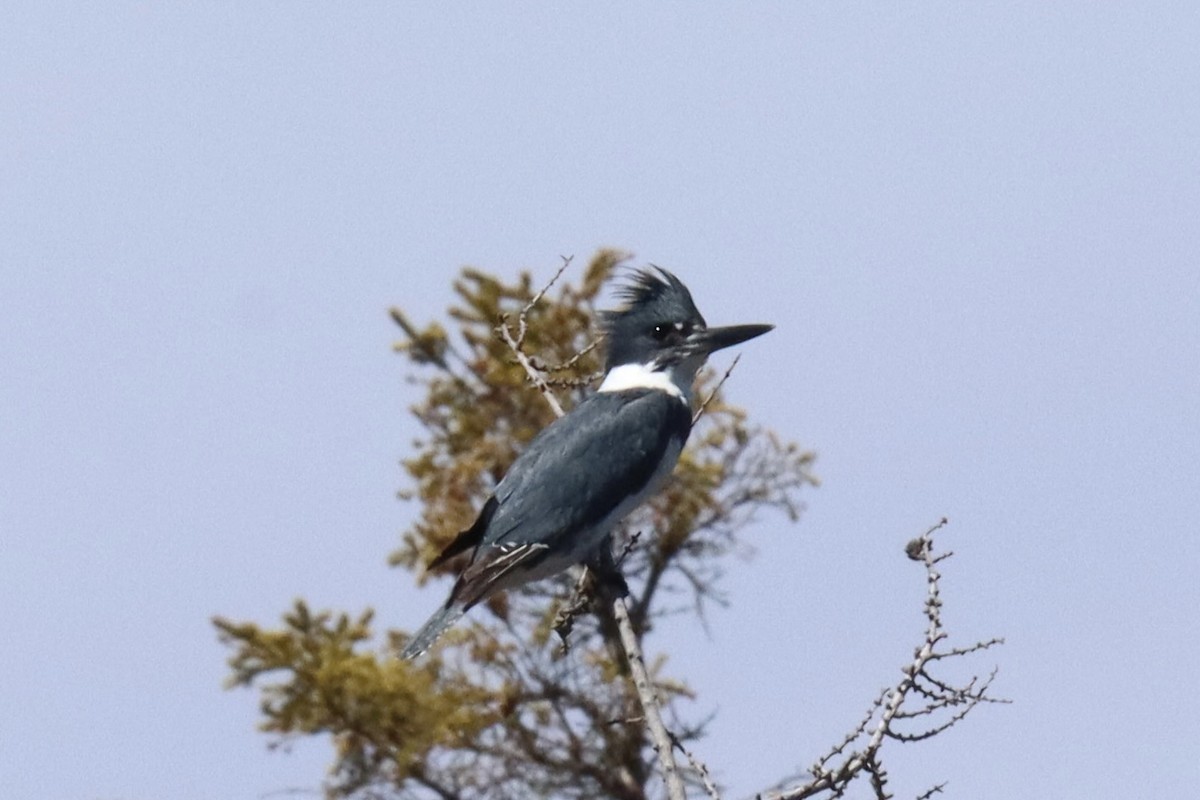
586, 471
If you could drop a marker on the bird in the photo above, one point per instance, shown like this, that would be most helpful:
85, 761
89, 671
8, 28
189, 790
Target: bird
560, 499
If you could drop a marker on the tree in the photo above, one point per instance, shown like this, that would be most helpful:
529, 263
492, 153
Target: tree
533, 697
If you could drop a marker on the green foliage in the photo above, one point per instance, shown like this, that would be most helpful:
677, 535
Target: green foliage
497, 709
333, 687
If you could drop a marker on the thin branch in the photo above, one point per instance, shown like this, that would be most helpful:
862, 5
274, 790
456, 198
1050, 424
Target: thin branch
964, 651
701, 769
934, 790
516, 342
534, 376
434, 786
432, 355
936, 697
577, 603
569, 363
537, 298
878, 777
708, 399
414, 336
649, 700
852, 736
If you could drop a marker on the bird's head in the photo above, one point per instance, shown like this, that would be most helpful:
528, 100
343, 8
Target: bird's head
659, 327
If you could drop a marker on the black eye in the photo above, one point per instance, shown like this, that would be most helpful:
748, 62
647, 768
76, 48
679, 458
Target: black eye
676, 332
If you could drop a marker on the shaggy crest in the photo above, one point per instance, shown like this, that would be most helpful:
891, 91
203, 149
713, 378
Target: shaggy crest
658, 294
650, 299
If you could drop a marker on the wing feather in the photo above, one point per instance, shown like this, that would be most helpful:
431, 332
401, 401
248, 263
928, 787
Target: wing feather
468, 539
583, 465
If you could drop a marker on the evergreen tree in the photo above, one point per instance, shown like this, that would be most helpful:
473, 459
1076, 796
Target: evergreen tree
529, 696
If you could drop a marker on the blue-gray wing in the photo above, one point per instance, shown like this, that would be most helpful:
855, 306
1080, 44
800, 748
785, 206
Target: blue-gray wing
579, 469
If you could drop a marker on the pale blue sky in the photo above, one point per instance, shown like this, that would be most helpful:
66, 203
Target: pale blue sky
975, 226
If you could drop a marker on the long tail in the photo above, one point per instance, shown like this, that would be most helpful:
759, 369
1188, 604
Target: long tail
431, 630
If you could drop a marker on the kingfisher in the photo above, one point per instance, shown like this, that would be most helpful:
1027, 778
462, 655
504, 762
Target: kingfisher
581, 475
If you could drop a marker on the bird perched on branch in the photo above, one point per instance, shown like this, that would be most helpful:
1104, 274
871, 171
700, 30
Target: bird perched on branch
586, 471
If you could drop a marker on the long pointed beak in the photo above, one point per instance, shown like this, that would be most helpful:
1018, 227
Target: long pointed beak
711, 340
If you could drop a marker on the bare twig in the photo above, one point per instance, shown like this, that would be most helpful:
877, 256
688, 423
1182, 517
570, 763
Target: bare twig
574, 383
523, 317
515, 342
570, 362
708, 398
932, 791
701, 769
577, 603
649, 700
537, 298
935, 698
659, 735
534, 376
